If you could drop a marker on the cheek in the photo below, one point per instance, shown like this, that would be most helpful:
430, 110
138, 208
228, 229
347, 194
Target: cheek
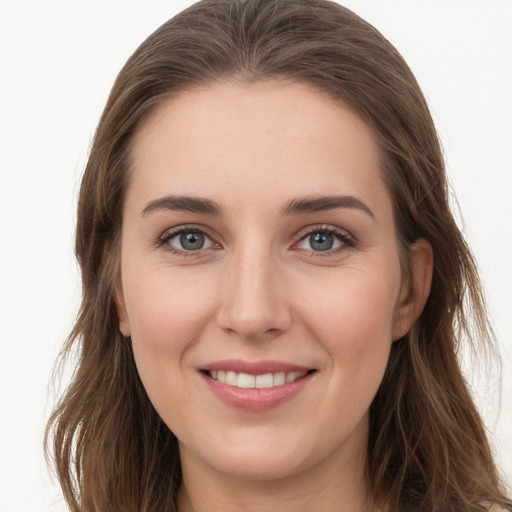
167, 317
358, 338
166, 311
354, 317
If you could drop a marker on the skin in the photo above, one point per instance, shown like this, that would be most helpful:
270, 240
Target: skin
259, 290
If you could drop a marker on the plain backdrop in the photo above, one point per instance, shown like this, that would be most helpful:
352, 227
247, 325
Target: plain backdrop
58, 60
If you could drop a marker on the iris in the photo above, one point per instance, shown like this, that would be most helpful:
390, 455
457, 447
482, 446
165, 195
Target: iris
321, 241
192, 241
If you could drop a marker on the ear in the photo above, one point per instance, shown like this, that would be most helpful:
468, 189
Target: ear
416, 289
124, 323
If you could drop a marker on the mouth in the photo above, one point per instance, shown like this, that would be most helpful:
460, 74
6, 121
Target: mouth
259, 381
256, 386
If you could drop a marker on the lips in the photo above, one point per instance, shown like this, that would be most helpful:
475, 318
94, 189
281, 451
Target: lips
255, 386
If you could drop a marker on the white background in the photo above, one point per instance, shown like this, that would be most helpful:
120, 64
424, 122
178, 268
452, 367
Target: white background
58, 61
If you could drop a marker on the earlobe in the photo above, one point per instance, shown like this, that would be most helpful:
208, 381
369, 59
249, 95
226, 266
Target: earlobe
416, 289
124, 324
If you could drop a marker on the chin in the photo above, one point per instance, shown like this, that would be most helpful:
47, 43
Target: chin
258, 456
259, 467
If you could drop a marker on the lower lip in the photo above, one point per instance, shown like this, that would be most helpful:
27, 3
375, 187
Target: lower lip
256, 399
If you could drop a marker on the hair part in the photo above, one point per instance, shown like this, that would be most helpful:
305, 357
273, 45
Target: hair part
427, 448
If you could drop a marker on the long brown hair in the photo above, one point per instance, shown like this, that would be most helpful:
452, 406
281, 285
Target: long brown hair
427, 448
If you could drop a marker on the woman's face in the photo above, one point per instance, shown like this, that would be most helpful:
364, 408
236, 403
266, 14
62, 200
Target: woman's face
260, 278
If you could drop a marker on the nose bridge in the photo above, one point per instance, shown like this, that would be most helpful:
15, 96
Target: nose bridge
252, 304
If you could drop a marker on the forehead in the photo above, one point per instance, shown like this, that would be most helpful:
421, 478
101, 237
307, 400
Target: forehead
229, 139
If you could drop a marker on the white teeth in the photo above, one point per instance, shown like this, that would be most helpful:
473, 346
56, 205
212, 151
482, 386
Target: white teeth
265, 381
279, 378
247, 381
290, 377
231, 378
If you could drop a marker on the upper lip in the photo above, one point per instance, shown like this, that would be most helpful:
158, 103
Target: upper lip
254, 367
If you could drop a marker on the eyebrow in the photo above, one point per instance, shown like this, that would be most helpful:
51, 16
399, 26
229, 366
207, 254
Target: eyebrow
184, 204
293, 207
317, 204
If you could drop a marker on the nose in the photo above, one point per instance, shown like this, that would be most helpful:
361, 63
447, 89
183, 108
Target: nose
254, 304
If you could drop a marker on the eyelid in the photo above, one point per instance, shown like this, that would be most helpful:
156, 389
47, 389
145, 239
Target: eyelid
343, 235
170, 233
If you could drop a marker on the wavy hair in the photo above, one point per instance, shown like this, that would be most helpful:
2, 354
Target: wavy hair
427, 447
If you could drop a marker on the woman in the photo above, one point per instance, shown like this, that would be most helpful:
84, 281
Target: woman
273, 283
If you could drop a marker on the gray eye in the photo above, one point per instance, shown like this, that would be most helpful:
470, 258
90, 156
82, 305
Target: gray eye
190, 241
321, 241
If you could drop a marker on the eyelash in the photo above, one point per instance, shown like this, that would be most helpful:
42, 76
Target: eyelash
163, 241
347, 241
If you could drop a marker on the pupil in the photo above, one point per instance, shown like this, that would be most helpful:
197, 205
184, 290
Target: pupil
321, 241
192, 241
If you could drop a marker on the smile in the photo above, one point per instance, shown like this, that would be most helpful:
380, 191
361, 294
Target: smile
248, 381
256, 386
